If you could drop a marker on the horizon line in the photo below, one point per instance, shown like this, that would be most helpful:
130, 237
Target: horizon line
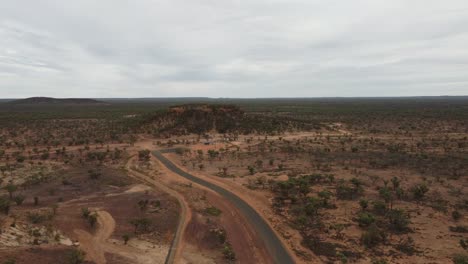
237, 98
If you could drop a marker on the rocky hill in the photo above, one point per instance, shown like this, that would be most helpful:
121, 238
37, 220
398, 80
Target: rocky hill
203, 118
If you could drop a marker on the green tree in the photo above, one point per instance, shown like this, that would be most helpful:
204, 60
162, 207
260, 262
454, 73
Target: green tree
4, 205
19, 199
126, 238
419, 191
11, 188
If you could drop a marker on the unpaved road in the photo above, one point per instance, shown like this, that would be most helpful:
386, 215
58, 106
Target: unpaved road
174, 254
275, 247
94, 245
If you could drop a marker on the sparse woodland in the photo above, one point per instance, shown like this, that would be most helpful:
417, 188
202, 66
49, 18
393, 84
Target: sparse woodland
357, 181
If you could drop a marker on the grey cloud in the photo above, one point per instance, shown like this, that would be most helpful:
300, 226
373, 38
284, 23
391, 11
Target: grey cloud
257, 48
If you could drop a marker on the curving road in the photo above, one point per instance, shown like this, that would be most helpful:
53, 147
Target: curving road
273, 244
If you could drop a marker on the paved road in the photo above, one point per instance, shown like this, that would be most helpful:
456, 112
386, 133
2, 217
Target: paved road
273, 244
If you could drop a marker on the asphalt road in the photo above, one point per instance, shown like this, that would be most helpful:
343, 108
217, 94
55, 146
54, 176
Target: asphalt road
273, 244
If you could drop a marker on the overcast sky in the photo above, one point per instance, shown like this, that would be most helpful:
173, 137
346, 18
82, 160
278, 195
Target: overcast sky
237, 48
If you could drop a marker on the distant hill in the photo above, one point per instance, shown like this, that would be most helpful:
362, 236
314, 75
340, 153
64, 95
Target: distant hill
56, 101
222, 118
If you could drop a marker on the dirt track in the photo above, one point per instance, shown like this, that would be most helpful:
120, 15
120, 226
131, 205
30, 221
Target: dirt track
94, 245
273, 244
174, 253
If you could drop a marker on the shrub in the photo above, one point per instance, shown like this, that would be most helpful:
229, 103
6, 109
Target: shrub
94, 175
228, 253
19, 199
419, 191
144, 155
126, 238
398, 220
346, 192
85, 212
141, 223
10, 261
456, 215
4, 205
36, 218
76, 256
372, 237
464, 243
460, 259
459, 229
92, 219
406, 245
365, 219
379, 261
364, 204
213, 211
11, 188
379, 207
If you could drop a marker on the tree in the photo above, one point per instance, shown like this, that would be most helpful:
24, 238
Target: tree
387, 195
85, 212
11, 188
4, 205
126, 238
398, 220
365, 219
364, 204
419, 191
395, 183
144, 155
92, 219
19, 199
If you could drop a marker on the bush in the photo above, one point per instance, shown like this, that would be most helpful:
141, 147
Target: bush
144, 155
228, 253
364, 204
460, 259
4, 205
464, 243
372, 237
398, 220
459, 229
346, 192
76, 256
36, 218
19, 199
379, 207
379, 261
406, 245
10, 261
141, 224
213, 211
92, 219
456, 215
126, 238
85, 212
365, 219
419, 191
